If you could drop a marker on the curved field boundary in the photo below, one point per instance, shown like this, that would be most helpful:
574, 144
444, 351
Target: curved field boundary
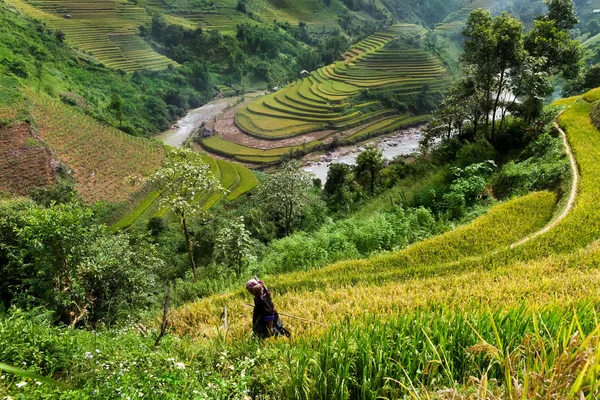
572, 196
492, 230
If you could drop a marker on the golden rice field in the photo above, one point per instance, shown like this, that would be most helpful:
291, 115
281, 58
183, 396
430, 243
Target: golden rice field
324, 104
104, 29
467, 274
474, 263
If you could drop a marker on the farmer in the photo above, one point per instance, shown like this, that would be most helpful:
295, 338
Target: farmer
265, 320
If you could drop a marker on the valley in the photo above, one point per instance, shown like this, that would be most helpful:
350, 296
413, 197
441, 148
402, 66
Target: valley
310, 199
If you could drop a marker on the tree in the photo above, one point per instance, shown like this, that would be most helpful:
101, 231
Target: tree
337, 186
562, 55
234, 246
72, 266
116, 106
286, 192
60, 36
368, 167
562, 12
182, 179
493, 47
241, 6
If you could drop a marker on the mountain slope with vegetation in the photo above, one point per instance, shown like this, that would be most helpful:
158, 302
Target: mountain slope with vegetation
468, 269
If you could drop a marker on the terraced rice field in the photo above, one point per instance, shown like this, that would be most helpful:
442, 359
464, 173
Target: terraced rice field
102, 158
467, 272
314, 109
455, 21
105, 29
237, 179
223, 15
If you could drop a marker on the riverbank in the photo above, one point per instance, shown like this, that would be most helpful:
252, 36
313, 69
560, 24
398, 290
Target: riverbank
402, 142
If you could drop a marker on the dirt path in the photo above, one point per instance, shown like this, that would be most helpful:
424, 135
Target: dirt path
572, 196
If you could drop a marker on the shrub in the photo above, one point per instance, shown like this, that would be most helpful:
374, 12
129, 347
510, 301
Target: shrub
543, 167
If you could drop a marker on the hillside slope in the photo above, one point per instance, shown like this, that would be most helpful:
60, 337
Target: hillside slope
464, 272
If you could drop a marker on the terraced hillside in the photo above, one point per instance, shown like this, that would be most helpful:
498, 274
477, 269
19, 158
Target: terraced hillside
105, 29
312, 110
235, 178
224, 16
479, 272
455, 21
102, 158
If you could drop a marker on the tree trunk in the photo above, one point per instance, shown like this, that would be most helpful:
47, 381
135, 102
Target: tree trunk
372, 181
495, 108
188, 245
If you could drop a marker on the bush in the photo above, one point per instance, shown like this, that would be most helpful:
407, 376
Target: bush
475, 152
544, 167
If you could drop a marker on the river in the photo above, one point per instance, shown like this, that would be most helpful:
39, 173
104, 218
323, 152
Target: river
403, 142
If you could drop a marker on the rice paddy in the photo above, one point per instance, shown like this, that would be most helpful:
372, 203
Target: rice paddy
235, 178
326, 103
453, 23
105, 30
101, 157
465, 272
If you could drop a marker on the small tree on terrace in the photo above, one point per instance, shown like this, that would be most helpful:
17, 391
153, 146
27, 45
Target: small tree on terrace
116, 106
182, 180
234, 246
287, 191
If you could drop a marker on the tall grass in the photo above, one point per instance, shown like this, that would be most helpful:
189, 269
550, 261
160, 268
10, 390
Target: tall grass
516, 353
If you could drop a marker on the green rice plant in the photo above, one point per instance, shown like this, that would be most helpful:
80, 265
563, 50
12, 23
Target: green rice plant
518, 352
248, 181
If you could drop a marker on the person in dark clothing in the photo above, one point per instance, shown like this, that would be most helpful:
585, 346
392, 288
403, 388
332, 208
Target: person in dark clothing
265, 319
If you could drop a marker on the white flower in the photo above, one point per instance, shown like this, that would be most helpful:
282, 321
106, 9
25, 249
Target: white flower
88, 355
180, 365
38, 383
97, 351
21, 384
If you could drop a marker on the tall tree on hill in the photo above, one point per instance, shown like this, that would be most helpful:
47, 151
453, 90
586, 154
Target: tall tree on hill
562, 12
337, 186
493, 47
368, 167
182, 179
286, 192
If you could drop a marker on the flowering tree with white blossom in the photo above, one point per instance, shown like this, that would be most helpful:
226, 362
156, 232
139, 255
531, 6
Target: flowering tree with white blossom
183, 179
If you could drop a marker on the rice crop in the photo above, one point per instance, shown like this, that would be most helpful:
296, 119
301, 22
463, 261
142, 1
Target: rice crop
326, 99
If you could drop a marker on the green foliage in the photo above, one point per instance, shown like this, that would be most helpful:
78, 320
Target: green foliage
286, 193
369, 164
467, 187
234, 247
542, 166
337, 187
61, 259
350, 238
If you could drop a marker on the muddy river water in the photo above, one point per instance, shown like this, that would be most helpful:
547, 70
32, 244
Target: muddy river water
403, 142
